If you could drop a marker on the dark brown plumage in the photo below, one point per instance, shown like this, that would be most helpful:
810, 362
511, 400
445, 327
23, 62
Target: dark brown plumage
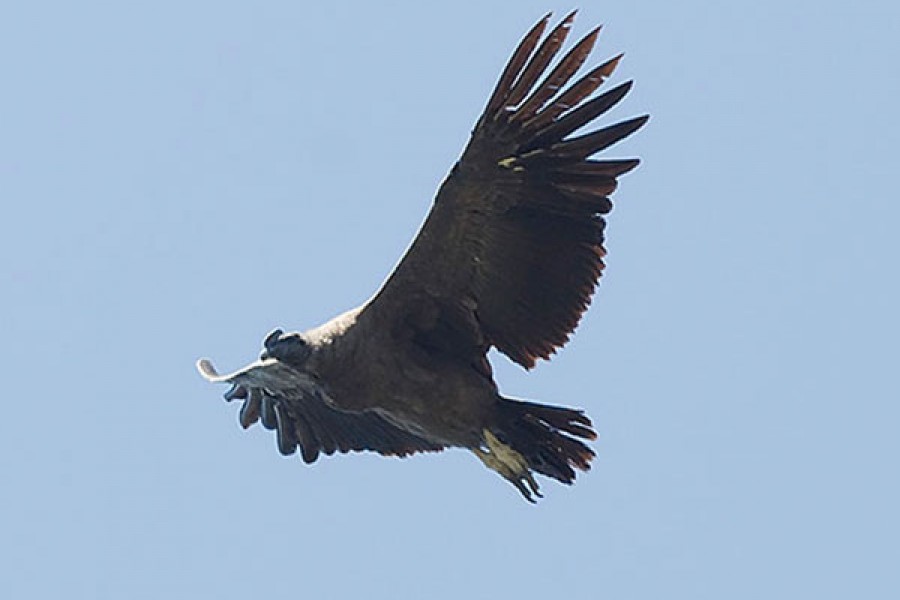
508, 257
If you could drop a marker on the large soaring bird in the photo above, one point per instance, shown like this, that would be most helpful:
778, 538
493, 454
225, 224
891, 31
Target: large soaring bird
508, 258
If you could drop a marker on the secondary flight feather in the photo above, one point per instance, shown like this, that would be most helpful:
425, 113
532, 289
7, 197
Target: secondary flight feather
508, 258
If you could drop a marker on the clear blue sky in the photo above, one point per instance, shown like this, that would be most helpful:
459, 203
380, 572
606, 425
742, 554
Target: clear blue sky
179, 178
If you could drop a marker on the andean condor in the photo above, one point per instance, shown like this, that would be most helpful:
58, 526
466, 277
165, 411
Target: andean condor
508, 258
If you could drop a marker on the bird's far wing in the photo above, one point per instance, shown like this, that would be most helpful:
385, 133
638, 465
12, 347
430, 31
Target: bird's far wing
512, 249
302, 419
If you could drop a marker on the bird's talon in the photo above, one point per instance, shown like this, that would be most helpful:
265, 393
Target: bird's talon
510, 464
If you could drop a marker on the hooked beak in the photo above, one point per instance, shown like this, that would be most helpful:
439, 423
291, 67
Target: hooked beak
270, 342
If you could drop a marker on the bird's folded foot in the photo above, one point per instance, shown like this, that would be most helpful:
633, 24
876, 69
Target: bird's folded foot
511, 465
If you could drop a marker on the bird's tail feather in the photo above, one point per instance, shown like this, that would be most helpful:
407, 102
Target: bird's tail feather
546, 436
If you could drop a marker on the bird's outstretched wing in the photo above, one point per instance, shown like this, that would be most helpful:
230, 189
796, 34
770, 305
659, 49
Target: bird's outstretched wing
301, 418
512, 249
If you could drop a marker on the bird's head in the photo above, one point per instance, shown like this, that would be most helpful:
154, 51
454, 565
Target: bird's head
290, 348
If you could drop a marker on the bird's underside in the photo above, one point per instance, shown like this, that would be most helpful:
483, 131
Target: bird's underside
508, 258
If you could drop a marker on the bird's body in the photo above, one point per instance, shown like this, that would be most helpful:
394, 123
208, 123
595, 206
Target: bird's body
508, 257
438, 400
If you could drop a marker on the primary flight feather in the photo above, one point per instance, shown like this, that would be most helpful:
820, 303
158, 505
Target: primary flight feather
508, 258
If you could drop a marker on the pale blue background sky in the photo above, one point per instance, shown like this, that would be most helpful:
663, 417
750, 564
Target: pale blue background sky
179, 178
